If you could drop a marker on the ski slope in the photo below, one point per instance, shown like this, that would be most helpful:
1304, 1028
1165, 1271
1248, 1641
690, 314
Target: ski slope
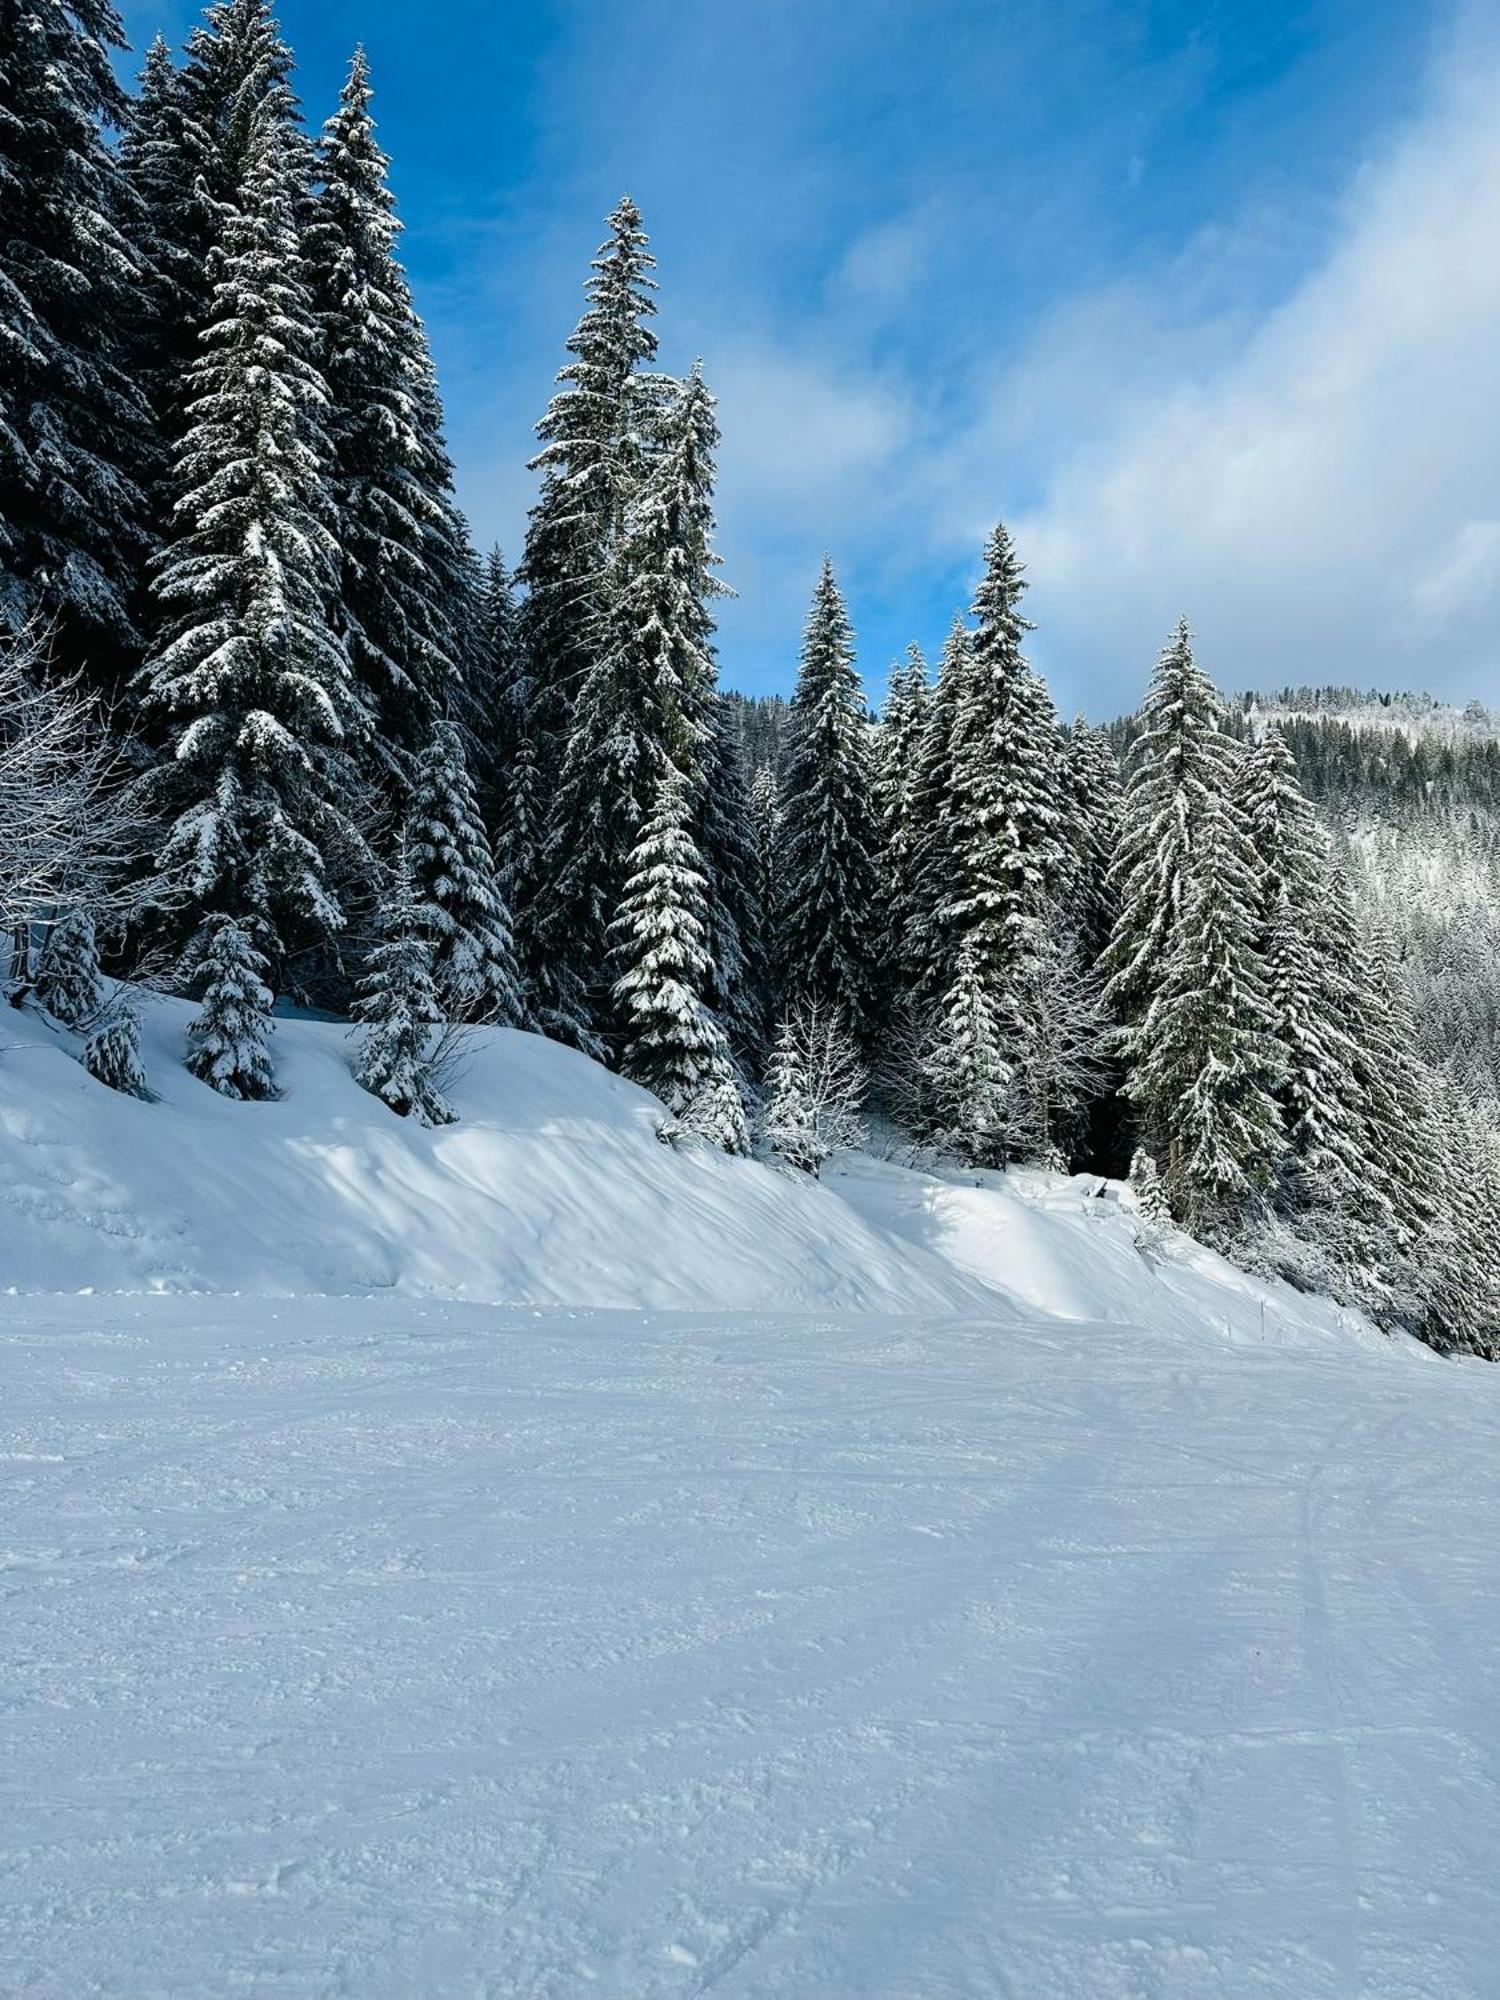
395, 1650
529, 1562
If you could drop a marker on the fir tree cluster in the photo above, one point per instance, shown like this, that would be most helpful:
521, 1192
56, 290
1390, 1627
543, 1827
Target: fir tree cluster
367, 771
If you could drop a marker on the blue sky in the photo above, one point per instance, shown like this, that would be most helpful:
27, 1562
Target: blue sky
1205, 300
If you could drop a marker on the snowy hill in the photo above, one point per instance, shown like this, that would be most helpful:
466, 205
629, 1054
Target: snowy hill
553, 1188
960, 1598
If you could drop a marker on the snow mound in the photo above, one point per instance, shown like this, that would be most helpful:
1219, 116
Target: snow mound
553, 1189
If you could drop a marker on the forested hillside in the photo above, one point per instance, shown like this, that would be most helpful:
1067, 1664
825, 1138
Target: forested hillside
271, 731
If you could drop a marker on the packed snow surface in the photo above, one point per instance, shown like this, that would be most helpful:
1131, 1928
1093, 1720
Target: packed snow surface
957, 1597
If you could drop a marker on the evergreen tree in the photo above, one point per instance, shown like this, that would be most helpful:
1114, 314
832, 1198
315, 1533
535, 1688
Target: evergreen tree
473, 964
188, 160
401, 540
1145, 1185
765, 835
898, 752
398, 1007
169, 297
645, 703
673, 1044
828, 911
930, 949
968, 1074
227, 1041
72, 424
1006, 856
1203, 1061
112, 1055
1305, 983
593, 446
1179, 771
68, 983
247, 682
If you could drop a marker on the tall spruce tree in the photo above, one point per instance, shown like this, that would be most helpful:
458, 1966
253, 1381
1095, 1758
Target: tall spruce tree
673, 1044
73, 425
897, 755
647, 702
593, 447
401, 540
1304, 981
169, 297
1179, 771
1203, 1061
828, 915
1005, 842
930, 949
246, 681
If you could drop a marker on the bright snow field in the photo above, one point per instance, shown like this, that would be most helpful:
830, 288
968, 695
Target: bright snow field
402, 1651
993, 1611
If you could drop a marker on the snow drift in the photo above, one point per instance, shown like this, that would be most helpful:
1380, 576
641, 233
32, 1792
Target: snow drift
552, 1189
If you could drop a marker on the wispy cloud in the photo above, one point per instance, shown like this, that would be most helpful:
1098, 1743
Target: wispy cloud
1319, 496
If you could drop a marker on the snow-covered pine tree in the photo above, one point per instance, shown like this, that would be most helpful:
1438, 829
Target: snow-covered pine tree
458, 898
968, 1074
1203, 1061
1463, 1275
1090, 780
1005, 848
828, 914
227, 1040
646, 702
184, 155
898, 746
112, 1054
246, 682
398, 1008
69, 984
1180, 768
673, 1045
170, 287
930, 950
1305, 983
1403, 1192
401, 540
591, 462
72, 424
1145, 1184
765, 832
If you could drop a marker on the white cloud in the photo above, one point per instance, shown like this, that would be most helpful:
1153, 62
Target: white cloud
1320, 498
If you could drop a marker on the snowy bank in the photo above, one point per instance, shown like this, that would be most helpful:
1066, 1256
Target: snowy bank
553, 1188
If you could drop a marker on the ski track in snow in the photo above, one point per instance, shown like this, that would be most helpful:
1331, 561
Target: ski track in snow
421, 1651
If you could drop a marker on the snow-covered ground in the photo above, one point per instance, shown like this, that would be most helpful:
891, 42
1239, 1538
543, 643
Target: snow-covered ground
553, 1188
1011, 1615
